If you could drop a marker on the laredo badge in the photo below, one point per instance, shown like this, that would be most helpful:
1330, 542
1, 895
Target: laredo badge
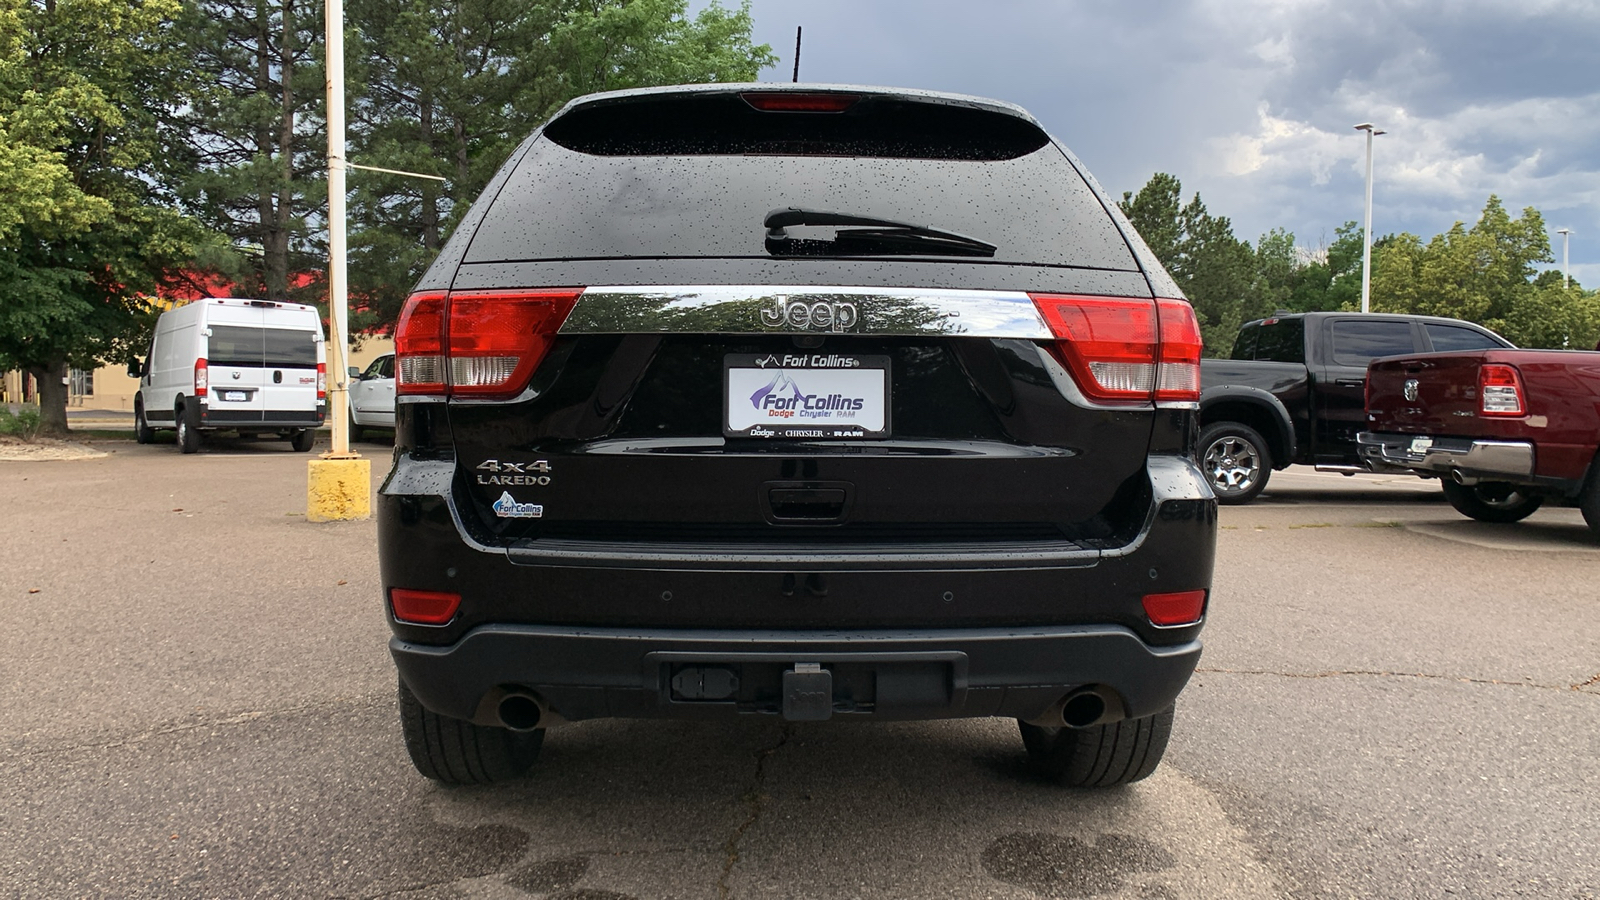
507, 507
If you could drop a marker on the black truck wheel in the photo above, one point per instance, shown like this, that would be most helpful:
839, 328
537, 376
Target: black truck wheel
1100, 755
1589, 500
188, 434
452, 751
142, 432
301, 439
1491, 501
1236, 460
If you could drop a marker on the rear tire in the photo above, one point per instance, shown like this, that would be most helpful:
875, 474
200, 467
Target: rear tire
142, 432
301, 439
355, 427
453, 751
1100, 755
1589, 500
1491, 501
1236, 461
188, 434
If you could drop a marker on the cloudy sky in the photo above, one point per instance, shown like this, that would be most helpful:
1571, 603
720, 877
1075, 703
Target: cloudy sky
1252, 102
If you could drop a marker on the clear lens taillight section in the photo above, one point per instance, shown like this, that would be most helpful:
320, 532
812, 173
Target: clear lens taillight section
477, 343
1178, 377
1500, 391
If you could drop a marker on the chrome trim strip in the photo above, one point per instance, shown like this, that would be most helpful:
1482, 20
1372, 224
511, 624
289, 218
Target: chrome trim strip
1470, 457
789, 309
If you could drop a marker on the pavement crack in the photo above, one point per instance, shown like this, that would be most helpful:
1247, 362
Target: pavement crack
1379, 673
194, 725
752, 798
1585, 685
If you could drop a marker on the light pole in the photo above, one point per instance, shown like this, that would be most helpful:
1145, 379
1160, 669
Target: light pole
1566, 278
1366, 243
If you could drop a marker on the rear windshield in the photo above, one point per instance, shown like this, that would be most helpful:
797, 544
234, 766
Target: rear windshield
1275, 340
705, 192
239, 345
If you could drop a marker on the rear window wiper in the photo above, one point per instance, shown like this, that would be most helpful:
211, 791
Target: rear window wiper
875, 235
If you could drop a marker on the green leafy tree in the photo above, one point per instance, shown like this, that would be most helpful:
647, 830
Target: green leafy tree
1216, 270
449, 88
87, 233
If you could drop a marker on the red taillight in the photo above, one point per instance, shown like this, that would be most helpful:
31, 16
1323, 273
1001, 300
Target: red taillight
419, 345
1181, 608
201, 378
423, 607
1109, 344
787, 101
322, 381
1178, 377
477, 343
1500, 391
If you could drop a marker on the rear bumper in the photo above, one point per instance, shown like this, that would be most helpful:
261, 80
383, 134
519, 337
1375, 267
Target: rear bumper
596, 629
272, 418
1450, 456
585, 673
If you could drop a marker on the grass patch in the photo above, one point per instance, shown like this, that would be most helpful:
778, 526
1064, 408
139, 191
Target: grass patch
1378, 525
1314, 525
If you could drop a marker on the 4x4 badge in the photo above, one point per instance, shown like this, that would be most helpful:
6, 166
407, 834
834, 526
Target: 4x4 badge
531, 474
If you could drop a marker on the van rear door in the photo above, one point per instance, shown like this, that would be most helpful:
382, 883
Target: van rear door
263, 364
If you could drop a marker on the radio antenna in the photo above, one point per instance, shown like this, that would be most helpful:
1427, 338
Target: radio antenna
797, 53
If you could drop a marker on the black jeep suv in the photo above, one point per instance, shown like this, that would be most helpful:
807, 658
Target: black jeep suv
795, 401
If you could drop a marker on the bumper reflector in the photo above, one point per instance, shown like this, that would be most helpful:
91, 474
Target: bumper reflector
1182, 608
423, 607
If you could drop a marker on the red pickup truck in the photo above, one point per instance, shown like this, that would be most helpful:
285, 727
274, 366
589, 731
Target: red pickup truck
1505, 431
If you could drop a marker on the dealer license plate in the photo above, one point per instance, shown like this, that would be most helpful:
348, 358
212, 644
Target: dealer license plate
805, 394
239, 396
1420, 445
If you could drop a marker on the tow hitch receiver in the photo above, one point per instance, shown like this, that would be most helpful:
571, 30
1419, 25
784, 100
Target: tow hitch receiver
807, 693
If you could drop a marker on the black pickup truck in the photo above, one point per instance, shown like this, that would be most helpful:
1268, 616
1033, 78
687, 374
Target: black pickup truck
1293, 391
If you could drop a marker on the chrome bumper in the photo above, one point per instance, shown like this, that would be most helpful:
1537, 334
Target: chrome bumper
1463, 458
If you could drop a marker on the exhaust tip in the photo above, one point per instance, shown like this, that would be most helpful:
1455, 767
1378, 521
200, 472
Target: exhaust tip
1083, 709
519, 712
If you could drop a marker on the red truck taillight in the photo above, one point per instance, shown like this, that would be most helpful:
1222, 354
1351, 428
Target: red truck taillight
476, 343
322, 381
202, 378
1126, 349
1500, 391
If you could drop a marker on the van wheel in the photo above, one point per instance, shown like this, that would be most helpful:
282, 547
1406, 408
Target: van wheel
1491, 501
301, 439
142, 432
453, 751
1100, 755
188, 434
1236, 460
355, 427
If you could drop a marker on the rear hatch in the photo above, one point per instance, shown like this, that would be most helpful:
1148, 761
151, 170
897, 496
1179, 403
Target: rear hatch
726, 321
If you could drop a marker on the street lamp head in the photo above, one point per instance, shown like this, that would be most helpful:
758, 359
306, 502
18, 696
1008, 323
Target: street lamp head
1563, 231
1364, 126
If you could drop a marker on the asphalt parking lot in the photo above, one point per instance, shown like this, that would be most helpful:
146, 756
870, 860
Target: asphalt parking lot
1394, 702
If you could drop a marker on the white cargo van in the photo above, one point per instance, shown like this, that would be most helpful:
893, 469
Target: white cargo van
252, 366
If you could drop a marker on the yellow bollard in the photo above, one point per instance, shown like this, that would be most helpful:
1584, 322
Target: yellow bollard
339, 489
